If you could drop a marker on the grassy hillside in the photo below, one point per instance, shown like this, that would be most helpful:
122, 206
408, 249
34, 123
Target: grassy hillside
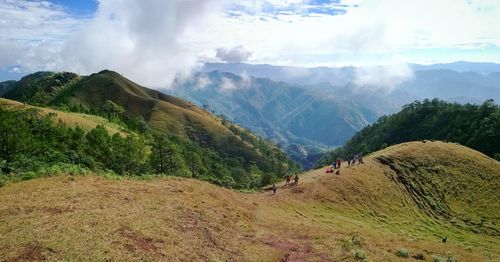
372, 210
166, 113
71, 119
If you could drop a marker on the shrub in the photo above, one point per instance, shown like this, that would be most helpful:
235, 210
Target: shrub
449, 258
346, 245
438, 259
3, 180
360, 255
402, 252
358, 239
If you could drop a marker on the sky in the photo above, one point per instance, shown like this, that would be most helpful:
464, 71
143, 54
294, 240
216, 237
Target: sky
153, 41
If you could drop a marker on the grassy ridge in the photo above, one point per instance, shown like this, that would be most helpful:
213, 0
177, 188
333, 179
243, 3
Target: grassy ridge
440, 183
366, 211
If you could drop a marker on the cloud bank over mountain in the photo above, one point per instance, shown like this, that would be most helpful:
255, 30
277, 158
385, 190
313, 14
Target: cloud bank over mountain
153, 41
236, 54
142, 39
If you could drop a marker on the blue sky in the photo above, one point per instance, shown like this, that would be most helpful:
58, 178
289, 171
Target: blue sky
153, 41
78, 7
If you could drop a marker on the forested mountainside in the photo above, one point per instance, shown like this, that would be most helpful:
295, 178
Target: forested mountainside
475, 126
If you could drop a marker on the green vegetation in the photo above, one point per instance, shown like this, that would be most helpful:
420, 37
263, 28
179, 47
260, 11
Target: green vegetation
157, 133
402, 253
360, 255
447, 258
475, 126
40, 88
33, 144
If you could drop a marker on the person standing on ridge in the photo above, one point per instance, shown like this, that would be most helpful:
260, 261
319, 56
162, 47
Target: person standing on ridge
288, 178
274, 189
296, 178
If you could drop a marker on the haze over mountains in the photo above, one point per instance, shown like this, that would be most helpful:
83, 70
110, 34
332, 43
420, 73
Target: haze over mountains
411, 81
308, 110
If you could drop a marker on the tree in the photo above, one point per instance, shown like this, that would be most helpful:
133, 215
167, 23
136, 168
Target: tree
166, 158
99, 145
195, 164
111, 109
128, 154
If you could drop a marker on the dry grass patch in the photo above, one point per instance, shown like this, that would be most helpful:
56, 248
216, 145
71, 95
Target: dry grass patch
84, 121
323, 218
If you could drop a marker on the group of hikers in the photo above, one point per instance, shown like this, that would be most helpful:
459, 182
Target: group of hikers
288, 181
356, 158
335, 168
336, 164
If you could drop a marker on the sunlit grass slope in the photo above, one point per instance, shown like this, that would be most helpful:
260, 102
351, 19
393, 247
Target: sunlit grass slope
407, 196
169, 114
84, 121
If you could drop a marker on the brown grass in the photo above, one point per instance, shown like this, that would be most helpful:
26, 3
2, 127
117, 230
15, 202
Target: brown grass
172, 219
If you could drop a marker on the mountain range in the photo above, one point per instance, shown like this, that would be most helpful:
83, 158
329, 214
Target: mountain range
307, 111
304, 123
310, 110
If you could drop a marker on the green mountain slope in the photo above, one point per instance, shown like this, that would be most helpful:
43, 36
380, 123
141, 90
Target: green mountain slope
406, 197
244, 155
475, 126
40, 88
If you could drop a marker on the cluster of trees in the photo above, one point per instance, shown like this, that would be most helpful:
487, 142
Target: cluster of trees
41, 87
30, 142
475, 126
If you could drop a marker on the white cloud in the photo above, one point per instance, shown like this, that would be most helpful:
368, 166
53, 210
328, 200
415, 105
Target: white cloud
152, 41
230, 85
202, 82
382, 77
141, 39
236, 54
32, 33
227, 85
16, 70
374, 32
